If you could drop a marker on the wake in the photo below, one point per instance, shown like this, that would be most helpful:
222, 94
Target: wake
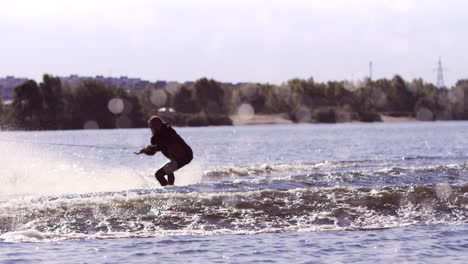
31, 169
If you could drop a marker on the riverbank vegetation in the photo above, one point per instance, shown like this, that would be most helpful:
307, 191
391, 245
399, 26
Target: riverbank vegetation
53, 104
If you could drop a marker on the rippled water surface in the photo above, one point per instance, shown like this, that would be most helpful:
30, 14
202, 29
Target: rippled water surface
303, 193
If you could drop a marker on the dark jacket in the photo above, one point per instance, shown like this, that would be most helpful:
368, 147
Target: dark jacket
172, 145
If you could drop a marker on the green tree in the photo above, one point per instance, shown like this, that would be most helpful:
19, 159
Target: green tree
315, 94
255, 95
337, 95
399, 95
147, 107
53, 102
460, 98
324, 114
184, 102
2, 112
268, 98
210, 96
132, 109
27, 106
1, 105
89, 103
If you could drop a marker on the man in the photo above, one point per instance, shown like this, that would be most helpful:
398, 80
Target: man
165, 139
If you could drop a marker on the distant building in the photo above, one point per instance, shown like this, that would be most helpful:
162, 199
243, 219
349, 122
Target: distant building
159, 84
8, 83
7, 86
124, 82
234, 85
172, 84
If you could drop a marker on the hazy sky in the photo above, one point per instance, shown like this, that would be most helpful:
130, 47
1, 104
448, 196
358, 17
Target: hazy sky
240, 40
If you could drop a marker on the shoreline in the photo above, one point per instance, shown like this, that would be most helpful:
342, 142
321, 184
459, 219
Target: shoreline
281, 119
393, 119
260, 119
265, 119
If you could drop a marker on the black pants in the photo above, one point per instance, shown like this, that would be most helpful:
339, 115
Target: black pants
170, 176
162, 180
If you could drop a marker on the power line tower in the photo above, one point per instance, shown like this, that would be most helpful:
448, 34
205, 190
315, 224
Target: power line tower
440, 75
370, 70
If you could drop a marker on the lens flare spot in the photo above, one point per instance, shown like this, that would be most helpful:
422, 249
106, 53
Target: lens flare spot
303, 115
424, 114
115, 105
91, 124
245, 112
158, 97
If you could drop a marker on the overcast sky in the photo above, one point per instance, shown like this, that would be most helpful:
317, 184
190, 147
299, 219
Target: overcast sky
234, 41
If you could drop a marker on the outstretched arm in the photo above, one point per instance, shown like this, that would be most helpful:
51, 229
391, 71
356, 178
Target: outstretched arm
149, 150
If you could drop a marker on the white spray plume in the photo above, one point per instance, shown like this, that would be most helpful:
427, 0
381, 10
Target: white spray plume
27, 170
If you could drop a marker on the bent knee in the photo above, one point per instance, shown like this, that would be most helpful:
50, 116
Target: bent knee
171, 166
160, 173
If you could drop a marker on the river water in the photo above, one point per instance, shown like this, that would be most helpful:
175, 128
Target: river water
338, 193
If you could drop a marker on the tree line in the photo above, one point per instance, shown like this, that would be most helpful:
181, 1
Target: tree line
53, 104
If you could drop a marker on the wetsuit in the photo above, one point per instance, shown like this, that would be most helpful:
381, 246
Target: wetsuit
174, 148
